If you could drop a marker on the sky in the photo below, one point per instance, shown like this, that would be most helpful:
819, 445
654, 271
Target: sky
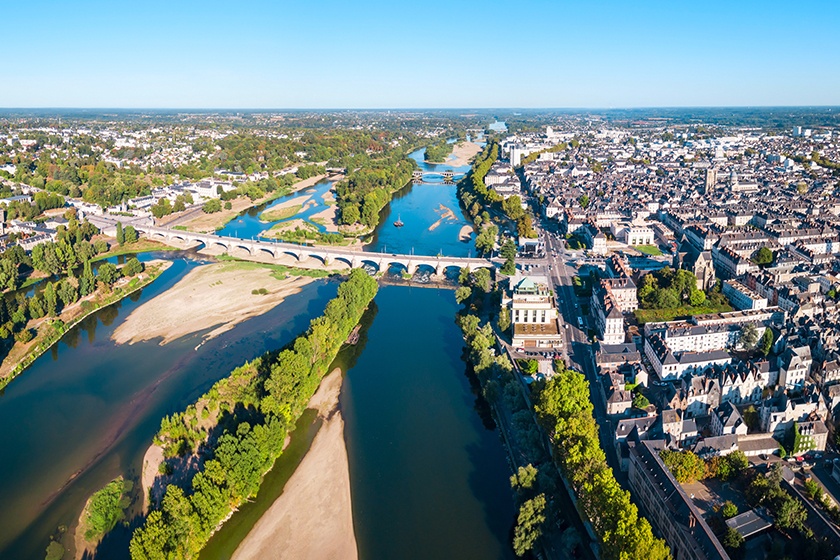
431, 54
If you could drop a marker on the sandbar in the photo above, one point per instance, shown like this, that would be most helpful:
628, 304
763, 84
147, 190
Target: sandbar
313, 517
463, 153
216, 295
328, 218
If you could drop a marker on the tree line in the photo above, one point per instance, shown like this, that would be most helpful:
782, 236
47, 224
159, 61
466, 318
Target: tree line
71, 250
256, 405
565, 410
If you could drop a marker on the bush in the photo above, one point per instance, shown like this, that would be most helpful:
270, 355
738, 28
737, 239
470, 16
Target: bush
728, 510
24, 336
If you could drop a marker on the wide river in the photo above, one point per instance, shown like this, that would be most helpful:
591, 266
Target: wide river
428, 478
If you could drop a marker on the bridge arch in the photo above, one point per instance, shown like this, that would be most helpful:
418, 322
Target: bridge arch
398, 267
317, 256
219, 243
369, 262
264, 249
242, 246
344, 260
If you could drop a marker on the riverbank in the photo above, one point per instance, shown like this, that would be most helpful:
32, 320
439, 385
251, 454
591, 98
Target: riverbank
462, 154
209, 223
50, 332
313, 517
285, 210
219, 295
142, 245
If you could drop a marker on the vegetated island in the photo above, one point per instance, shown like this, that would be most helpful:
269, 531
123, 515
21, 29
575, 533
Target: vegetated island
220, 295
438, 152
103, 510
219, 448
285, 209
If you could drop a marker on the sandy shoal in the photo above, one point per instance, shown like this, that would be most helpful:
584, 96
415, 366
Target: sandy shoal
463, 153
313, 517
296, 201
209, 223
465, 233
216, 295
328, 215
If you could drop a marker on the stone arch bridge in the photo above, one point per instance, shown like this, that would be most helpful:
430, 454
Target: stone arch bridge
325, 255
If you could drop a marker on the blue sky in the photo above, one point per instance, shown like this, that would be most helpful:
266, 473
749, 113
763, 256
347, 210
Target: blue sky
325, 54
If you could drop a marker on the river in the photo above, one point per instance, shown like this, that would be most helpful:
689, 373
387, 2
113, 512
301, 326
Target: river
428, 479
428, 229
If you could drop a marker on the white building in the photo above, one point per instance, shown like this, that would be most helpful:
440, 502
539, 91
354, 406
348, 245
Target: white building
533, 313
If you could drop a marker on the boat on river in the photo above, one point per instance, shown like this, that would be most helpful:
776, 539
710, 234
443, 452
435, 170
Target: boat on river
399, 222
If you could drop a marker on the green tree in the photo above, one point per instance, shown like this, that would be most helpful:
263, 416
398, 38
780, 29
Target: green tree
87, 283
697, 297
512, 207
481, 280
728, 510
790, 514
132, 267
8, 274
640, 401
50, 300
508, 252
462, 294
67, 292
529, 367
684, 465
748, 337
583, 201
751, 418
120, 234
107, 273
130, 234
733, 542
504, 319
485, 241
763, 257
529, 524
766, 342
524, 478
212, 206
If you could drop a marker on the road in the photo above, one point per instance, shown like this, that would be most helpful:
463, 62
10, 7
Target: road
578, 348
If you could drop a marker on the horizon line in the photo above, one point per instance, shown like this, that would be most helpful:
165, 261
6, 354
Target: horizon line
467, 108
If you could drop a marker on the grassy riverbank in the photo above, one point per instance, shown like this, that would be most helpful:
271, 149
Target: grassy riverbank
50, 331
142, 245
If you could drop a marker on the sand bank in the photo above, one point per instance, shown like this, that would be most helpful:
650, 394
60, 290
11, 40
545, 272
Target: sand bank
328, 218
217, 295
465, 233
313, 517
463, 153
